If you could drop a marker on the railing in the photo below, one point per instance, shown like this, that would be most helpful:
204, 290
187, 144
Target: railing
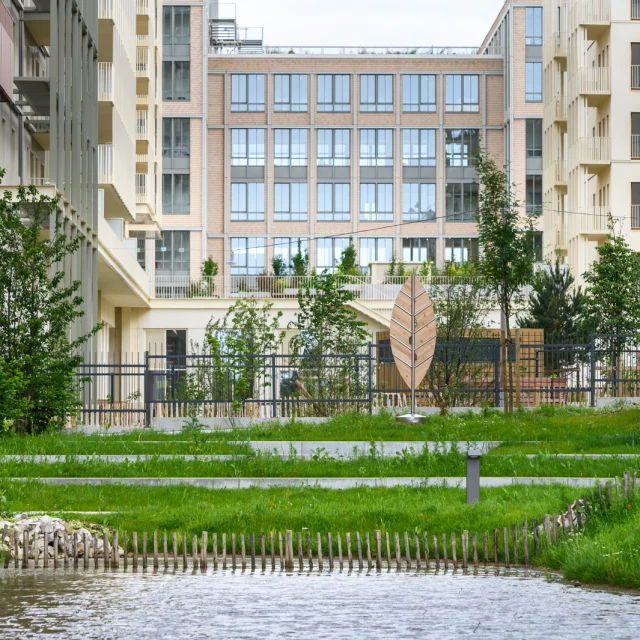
635, 146
635, 76
593, 81
592, 12
105, 9
105, 82
399, 50
593, 150
556, 173
556, 109
142, 62
142, 100
590, 221
142, 158
635, 216
142, 40
105, 163
142, 119
557, 45
142, 7
635, 9
141, 188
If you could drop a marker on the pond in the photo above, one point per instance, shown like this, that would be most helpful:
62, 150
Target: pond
309, 605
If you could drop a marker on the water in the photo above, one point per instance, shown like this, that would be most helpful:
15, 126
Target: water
386, 605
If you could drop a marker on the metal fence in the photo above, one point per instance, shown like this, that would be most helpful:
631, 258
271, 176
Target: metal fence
467, 373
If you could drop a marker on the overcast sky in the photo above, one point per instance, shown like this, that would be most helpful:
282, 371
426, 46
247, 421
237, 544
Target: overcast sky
370, 22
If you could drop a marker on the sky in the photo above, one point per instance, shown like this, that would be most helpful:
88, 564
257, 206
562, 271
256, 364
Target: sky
405, 23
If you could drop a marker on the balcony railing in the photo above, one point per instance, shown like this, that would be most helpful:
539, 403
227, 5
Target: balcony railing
364, 51
556, 109
592, 151
635, 75
635, 216
593, 81
142, 7
142, 119
557, 45
635, 146
556, 174
635, 9
141, 188
590, 221
142, 62
105, 163
105, 9
105, 81
592, 12
142, 100
142, 40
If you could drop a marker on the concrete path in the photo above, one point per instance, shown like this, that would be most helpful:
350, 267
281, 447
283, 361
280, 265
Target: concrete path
324, 483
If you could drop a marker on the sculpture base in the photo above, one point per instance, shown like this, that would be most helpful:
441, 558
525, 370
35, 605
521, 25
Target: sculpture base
411, 418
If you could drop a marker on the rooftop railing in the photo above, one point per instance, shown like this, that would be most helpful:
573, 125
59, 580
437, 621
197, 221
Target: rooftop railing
393, 50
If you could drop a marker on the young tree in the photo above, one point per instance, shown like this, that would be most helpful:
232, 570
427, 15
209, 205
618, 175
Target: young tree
38, 359
348, 265
327, 332
508, 253
279, 266
300, 262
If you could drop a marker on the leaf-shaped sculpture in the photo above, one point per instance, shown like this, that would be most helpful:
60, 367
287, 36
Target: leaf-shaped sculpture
413, 333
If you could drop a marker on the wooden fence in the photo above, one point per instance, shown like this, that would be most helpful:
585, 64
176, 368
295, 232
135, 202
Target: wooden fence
510, 547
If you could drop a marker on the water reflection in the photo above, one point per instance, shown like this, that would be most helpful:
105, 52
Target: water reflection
307, 605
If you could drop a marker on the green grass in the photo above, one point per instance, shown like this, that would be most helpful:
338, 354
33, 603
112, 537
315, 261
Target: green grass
266, 465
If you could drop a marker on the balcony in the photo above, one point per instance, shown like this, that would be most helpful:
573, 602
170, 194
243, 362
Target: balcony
635, 147
593, 82
114, 176
142, 7
142, 122
635, 216
590, 221
105, 82
105, 10
592, 152
635, 76
142, 62
142, 100
635, 9
141, 188
556, 110
557, 45
593, 15
556, 175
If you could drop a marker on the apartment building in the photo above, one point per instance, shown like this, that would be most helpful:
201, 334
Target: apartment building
592, 126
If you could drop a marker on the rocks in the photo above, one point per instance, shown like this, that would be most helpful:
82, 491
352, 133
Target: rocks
36, 528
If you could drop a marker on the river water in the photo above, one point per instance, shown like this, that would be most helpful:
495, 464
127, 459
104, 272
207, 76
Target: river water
386, 605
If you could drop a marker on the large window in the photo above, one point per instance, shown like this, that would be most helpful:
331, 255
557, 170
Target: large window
462, 201
334, 202
329, 252
533, 80
334, 93
247, 92
376, 202
290, 92
419, 93
376, 147
247, 256
534, 25
418, 249
461, 146
635, 205
461, 250
247, 147
334, 148
176, 140
534, 138
287, 249
176, 80
462, 93
376, 93
172, 253
418, 201
247, 201
290, 201
176, 193
375, 250
419, 147
534, 194
176, 27
290, 148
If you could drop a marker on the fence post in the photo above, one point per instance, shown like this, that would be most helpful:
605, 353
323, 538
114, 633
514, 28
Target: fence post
496, 376
593, 370
518, 376
273, 387
370, 376
147, 391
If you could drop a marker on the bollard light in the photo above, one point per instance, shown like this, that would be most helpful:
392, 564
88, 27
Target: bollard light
473, 476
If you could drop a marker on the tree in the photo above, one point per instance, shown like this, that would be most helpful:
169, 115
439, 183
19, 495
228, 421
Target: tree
38, 359
348, 265
507, 251
209, 271
327, 331
279, 266
300, 261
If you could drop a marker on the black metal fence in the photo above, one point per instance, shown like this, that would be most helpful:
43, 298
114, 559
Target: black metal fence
468, 373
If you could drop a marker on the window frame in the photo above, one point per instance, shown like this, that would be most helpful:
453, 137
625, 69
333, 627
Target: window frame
288, 214
333, 160
174, 36
534, 135
248, 160
181, 267
376, 250
245, 214
377, 105
536, 69
170, 90
376, 215
533, 19
420, 216
467, 137
535, 180
288, 106
376, 160
247, 251
465, 106
291, 244
171, 209
468, 192
244, 105
427, 241
291, 159
334, 246
473, 254
333, 215
411, 160
169, 151
407, 90
333, 106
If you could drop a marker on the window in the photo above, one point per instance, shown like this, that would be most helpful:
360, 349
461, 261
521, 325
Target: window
635, 63
635, 136
247, 200
534, 138
141, 250
418, 201
176, 26
462, 201
376, 93
329, 252
334, 147
290, 92
334, 93
533, 80
290, 148
461, 250
536, 241
176, 140
247, 92
419, 147
176, 193
418, 249
375, 250
287, 248
334, 202
376, 202
460, 147
290, 201
176, 80
419, 93
462, 93
172, 253
376, 147
247, 256
533, 25
247, 147
534, 194
635, 205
